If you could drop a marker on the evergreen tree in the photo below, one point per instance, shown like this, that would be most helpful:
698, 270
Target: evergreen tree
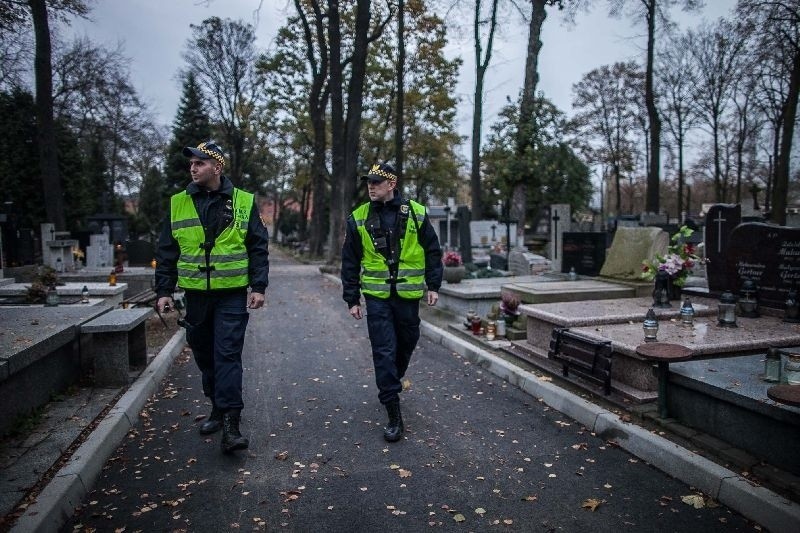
191, 127
152, 207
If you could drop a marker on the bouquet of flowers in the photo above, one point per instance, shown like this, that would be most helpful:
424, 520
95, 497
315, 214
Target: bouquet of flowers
452, 259
680, 258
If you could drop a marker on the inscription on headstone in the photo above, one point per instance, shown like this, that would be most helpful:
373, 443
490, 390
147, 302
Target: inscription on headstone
583, 251
767, 254
721, 219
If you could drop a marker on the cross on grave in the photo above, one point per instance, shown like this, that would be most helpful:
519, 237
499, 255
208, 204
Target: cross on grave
555, 220
719, 220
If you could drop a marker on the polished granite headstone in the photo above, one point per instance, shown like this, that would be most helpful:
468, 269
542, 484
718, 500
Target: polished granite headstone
767, 254
721, 219
585, 252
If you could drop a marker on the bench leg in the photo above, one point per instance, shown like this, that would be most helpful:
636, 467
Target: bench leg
137, 346
111, 361
663, 373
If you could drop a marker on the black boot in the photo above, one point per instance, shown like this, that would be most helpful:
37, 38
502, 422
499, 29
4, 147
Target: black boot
214, 422
231, 438
394, 429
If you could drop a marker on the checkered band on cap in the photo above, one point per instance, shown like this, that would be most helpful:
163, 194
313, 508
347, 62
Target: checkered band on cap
212, 151
377, 171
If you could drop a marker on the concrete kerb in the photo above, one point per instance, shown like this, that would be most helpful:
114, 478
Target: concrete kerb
57, 501
756, 503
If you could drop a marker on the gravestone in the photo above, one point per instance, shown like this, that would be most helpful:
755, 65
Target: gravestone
99, 253
488, 232
583, 251
524, 263
632, 246
653, 219
560, 221
767, 254
721, 219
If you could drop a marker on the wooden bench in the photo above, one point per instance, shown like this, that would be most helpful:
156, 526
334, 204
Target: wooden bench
588, 357
119, 342
146, 297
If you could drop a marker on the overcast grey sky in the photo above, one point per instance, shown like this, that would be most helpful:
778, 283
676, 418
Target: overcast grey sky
154, 34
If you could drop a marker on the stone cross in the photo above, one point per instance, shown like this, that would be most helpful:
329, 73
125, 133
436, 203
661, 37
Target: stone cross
560, 217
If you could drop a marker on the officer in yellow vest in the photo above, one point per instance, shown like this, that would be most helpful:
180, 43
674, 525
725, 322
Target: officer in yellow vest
391, 253
214, 247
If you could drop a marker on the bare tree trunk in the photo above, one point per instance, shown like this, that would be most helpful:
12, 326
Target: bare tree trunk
400, 112
343, 179
680, 180
527, 111
653, 176
481, 65
45, 124
781, 187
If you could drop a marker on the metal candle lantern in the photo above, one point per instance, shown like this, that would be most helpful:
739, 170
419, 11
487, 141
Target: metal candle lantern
791, 312
650, 326
661, 290
687, 313
748, 302
727, 310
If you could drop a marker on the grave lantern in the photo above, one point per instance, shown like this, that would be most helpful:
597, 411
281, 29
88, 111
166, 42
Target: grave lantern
661, 290
51, 298
85, 295
687, 313
727, 310
650, 326
748, 301
791, 312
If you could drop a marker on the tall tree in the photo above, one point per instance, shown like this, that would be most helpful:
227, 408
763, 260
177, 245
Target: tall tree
46, 129
676, 87
605, 104
526, 130
222, 53
776, 24
190, 127
483, 57
401, 90
717, 52
653, 13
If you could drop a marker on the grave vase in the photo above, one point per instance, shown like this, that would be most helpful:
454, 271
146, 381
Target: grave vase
673, 289
454, 274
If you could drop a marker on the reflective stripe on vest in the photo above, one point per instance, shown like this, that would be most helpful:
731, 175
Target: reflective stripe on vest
411, 270
227, 265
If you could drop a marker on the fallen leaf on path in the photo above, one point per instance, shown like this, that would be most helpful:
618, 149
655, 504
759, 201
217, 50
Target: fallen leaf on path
404, 473
695, 500
480, 510
459, 517
591, 504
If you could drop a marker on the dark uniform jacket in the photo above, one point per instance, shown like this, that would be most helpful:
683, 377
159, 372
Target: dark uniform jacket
353, 251
209, 206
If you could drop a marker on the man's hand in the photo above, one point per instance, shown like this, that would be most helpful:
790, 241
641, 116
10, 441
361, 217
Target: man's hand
164, 304
433, 297
256, 300
356, 313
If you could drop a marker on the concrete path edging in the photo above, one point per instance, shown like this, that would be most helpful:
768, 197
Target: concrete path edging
759, 504
57, 501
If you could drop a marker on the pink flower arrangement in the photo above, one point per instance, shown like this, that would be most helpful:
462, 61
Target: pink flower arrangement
680, 258
452, 259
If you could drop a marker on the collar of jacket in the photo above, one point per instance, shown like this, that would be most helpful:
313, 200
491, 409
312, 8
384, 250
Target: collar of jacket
394, 202
225, 187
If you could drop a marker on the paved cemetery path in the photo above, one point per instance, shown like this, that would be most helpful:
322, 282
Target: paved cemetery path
479, 454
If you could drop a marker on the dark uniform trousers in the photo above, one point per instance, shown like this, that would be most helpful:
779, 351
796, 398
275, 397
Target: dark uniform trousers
216, 324
393, 326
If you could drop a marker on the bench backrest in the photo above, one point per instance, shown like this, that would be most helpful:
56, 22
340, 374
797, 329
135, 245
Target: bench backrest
591, 357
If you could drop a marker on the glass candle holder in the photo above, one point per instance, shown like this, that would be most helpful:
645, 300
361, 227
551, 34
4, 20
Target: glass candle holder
687, 313
491, 330
772, 365
727, 310
650, 326
791, 370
